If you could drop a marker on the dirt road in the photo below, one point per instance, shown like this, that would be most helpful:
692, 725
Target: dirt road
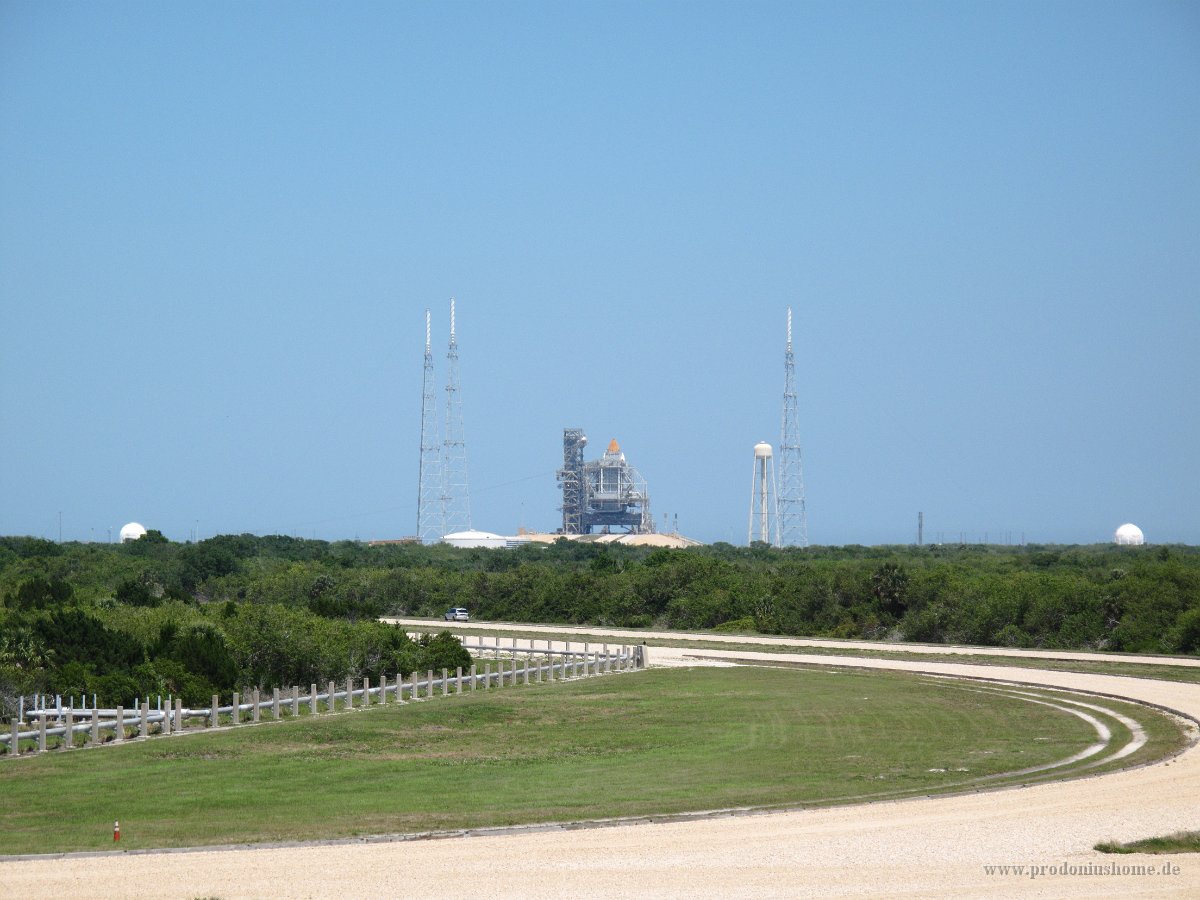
914, 848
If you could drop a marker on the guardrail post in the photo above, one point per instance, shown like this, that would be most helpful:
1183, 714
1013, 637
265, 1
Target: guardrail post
473, 677
537, 673
458, 680
331, 701
256, 711
237, 708
143, 722
415, 693
275, 703
383, 690
487, 676
95, 728
15, 747
214, 719
312, 701
366, 691
349, 692
445, 683
42, 733
165, 728
429, 683
178, 714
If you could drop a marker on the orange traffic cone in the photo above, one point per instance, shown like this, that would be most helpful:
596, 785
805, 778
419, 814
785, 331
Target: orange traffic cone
116, 831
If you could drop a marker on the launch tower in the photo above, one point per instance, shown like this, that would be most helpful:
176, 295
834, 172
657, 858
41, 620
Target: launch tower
605, 495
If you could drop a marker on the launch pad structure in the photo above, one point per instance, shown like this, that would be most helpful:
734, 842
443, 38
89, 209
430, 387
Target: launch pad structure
606, 495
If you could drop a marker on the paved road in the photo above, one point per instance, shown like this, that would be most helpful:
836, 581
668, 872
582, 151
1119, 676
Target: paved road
636, 637
913, 848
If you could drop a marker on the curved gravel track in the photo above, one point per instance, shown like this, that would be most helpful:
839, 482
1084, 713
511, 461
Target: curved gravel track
911, 848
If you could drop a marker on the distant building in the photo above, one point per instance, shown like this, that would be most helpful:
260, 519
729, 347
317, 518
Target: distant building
476, 539
132, 532
1129, 535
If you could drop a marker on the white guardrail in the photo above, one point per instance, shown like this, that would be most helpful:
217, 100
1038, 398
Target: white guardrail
515, 661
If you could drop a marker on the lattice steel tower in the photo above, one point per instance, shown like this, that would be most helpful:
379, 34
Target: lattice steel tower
793, 518
570, 476
456, 498
430, 521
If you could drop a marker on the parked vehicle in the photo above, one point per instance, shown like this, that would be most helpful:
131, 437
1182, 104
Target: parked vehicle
456, 614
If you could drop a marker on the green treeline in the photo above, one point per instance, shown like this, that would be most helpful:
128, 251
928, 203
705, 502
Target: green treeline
133, 619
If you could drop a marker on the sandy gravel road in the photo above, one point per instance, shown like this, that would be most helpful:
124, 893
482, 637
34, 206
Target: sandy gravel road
912, 848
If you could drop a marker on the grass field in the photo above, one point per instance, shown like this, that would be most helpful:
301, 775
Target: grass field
1180, 842
654, 742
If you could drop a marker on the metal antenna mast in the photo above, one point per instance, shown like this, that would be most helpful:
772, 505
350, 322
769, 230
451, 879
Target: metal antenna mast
793, 519
456, 499
430, 521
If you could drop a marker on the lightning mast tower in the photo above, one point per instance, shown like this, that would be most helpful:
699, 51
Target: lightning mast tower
456, 499
430, 522
793, 519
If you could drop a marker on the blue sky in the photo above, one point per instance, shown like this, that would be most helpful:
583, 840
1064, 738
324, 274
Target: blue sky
220, 226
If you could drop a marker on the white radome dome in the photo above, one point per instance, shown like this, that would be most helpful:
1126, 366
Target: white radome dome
762, 450
1129, 534
132, 532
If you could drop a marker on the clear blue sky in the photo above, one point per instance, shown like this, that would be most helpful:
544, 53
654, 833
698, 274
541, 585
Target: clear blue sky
221, 223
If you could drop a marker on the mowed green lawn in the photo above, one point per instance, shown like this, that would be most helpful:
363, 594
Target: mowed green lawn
660, 741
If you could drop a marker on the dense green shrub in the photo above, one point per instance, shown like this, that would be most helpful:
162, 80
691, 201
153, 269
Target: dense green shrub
240, 610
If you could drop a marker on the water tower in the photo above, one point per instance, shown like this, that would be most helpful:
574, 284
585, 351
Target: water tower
764, 517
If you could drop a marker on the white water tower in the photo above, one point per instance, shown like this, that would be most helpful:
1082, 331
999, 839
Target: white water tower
764, 516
